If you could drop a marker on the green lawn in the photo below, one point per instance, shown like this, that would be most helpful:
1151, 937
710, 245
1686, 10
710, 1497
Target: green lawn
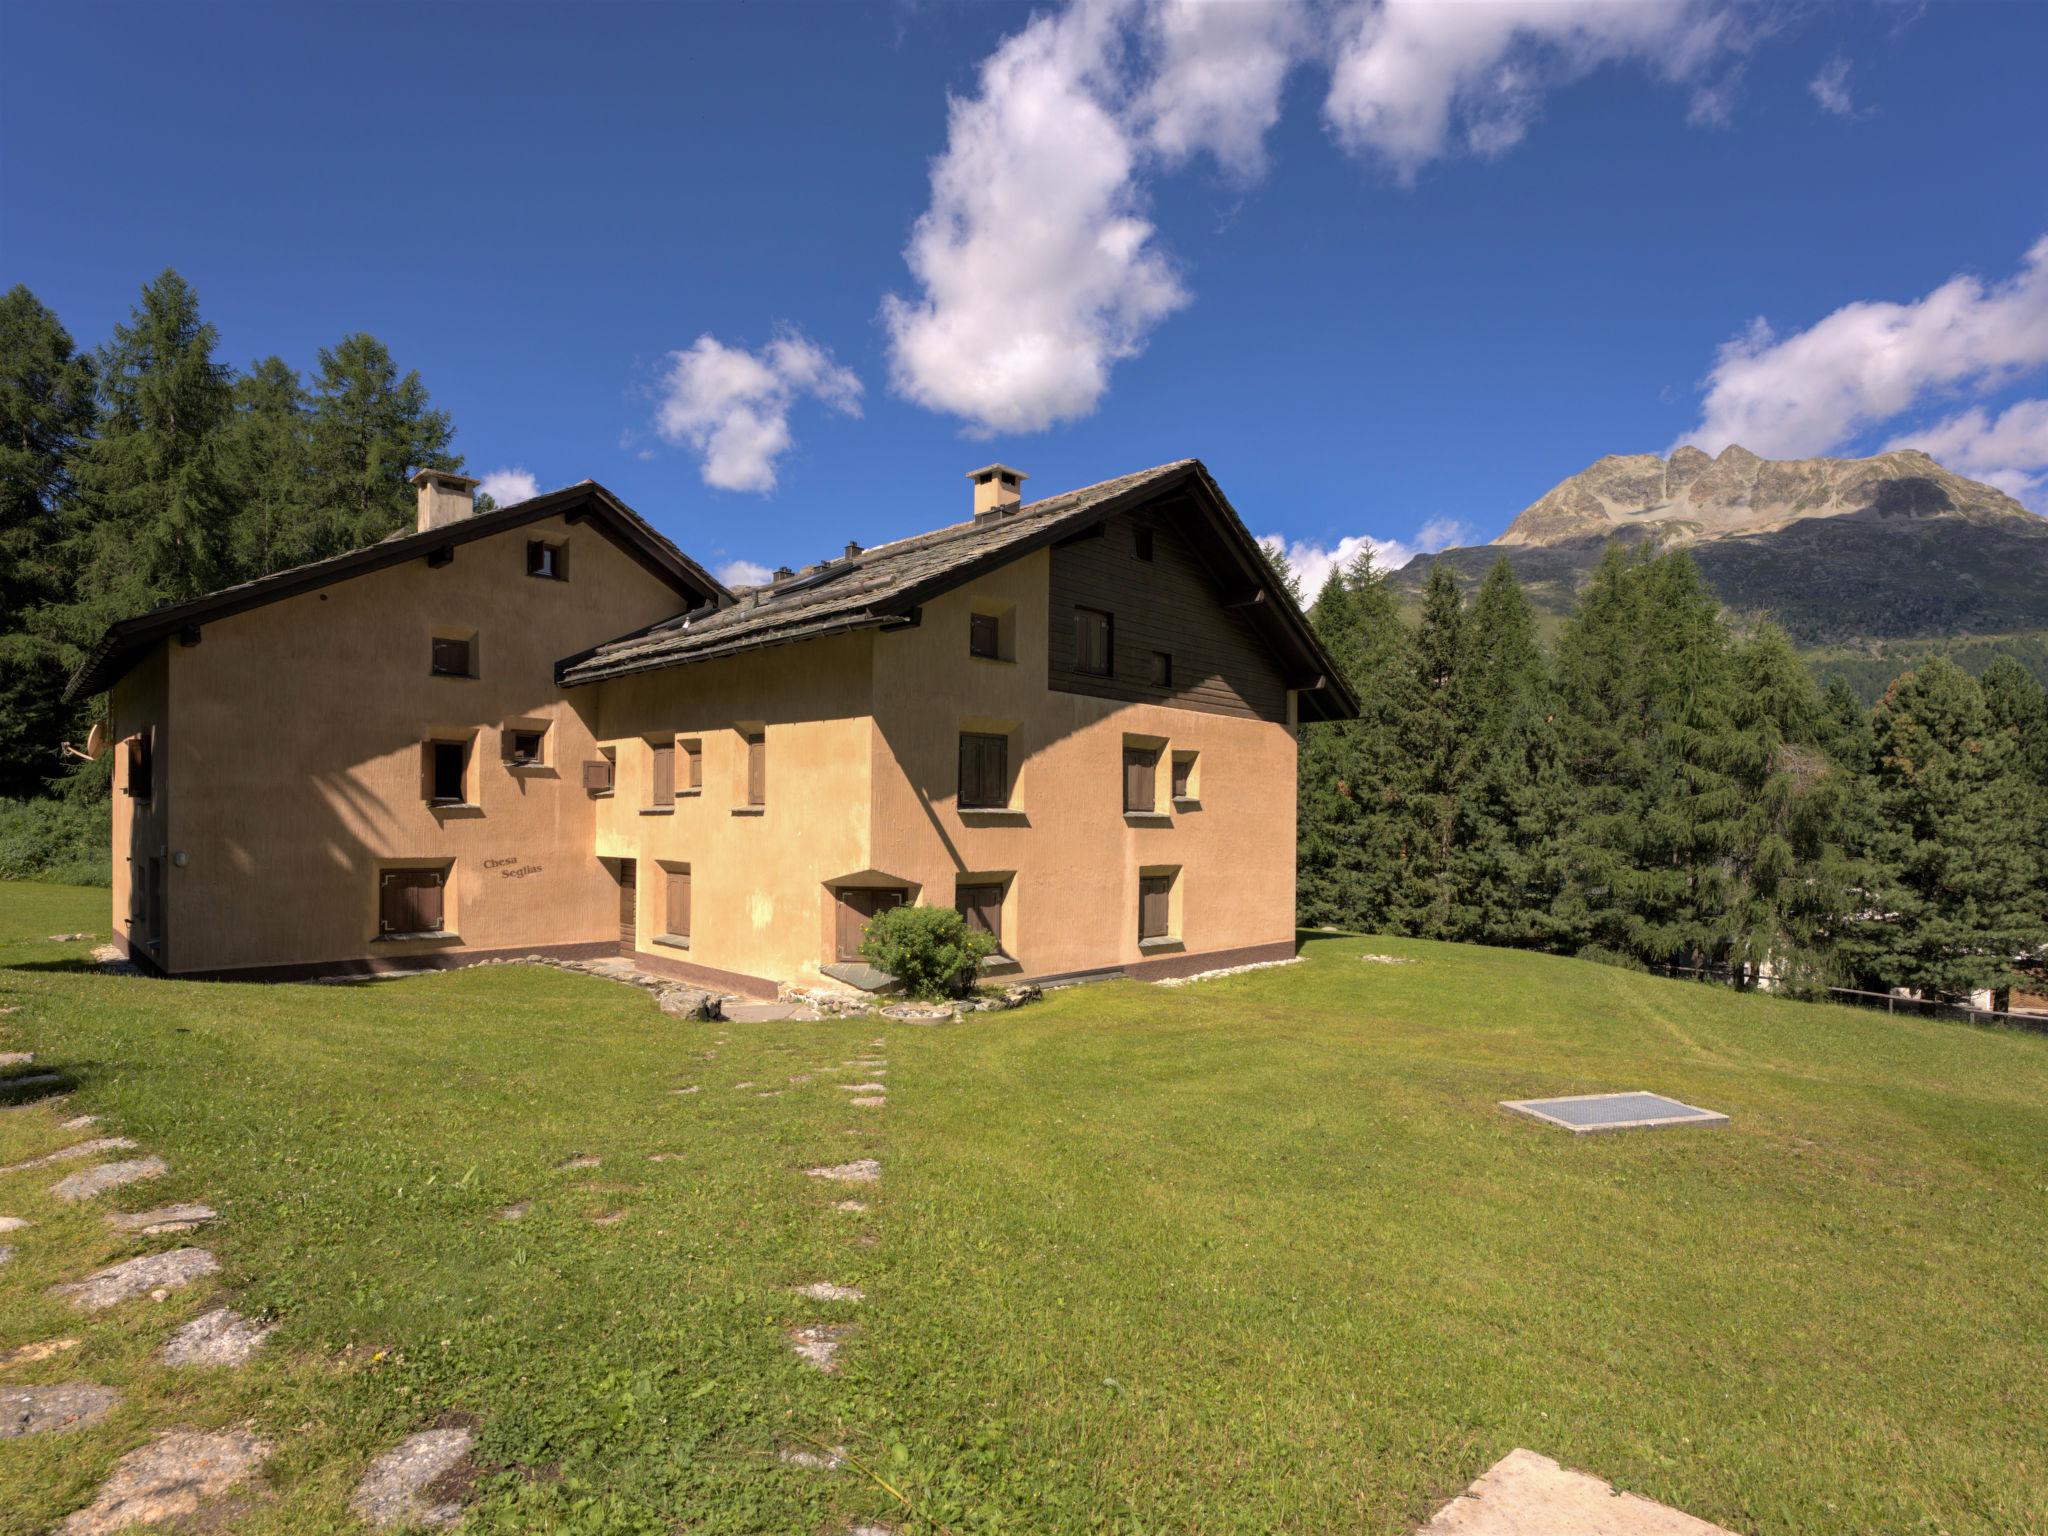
1256, 1255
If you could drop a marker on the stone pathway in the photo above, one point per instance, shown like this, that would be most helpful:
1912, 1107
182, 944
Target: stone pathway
1524, 1494
861, 1171
88, 1182
222, 1337
398, 1488
825, 1290
817, 1344
152, 1273
53, 1410
171, 1478
29, 1354
73, 1153
163, 1220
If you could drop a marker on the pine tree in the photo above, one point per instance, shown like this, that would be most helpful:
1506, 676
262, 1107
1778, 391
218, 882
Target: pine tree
1645, 678
154, 512
1327, 816
1515, 792
1435, 734
46, 410
1952, 890
370, 430
267, 458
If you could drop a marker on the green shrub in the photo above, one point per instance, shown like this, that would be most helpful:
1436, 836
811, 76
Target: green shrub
1600, 954
931, 950
68, 841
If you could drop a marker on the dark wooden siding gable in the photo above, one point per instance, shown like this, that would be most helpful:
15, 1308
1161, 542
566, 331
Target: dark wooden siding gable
1170, 603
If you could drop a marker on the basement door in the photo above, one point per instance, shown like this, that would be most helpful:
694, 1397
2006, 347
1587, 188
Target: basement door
629, 904
856, 906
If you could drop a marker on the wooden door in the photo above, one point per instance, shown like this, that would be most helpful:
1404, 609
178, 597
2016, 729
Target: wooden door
629, 904
855, 908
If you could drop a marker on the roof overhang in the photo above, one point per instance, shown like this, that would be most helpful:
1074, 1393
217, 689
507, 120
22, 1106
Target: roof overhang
127, 641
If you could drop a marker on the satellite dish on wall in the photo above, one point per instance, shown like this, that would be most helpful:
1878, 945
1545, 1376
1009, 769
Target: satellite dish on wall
96, 740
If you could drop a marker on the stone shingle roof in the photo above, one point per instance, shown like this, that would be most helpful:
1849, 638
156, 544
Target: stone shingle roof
870, 590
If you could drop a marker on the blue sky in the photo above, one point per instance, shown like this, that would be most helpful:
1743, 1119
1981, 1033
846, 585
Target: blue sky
1390, 270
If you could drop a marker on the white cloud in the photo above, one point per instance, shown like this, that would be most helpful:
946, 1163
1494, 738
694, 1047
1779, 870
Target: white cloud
742, 573
1218, 70
505, 486
2009, 451
1831, 88
1312, 562
1869, 363
732, 406
1036, 266
1411, 80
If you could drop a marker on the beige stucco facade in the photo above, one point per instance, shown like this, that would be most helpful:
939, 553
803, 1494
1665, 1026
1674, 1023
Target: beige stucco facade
293, 771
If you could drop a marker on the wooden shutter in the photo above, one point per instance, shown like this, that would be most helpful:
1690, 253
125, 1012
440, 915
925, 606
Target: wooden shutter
597, 774
757, 768
662, 775
984, 771
1140, 768
508, 745
410, 901
693, 757
1093, 644
982, 632
982, 907
451, 657
426, 892
1155, 895
1183, 769
679, 903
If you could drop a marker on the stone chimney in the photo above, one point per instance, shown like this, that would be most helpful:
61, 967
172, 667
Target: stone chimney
997, 490
445, 497
853, 550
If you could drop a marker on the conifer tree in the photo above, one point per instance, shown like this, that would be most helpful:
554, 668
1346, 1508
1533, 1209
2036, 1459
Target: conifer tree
1328, 819
370, 431
1951, 897
46, 409
268, 460
1515, 793
155, 513
1435, 736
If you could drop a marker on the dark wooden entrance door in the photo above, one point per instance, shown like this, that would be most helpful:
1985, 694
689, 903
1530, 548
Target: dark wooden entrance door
856, 906
629, 905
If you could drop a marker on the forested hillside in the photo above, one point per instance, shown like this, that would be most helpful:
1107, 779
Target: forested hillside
1657, 790
148, 471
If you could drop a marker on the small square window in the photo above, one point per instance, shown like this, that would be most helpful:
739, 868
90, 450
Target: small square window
1155, 907
452, 657
1162, 669
1144, 543
411, 902
546, 560
984, 771
984, 635
1184, 775
142, 766
525, 746
982, 906
692, 764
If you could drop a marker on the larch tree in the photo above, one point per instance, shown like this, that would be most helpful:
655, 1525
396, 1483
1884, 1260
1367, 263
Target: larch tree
371, 429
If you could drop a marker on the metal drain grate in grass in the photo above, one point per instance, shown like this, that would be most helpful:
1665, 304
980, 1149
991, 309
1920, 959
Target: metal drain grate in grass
1584, 1113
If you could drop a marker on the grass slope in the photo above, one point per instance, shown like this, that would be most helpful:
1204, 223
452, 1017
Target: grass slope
1256, 1255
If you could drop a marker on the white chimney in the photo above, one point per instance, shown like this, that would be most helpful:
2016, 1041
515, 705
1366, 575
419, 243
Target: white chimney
444, 497
997, 488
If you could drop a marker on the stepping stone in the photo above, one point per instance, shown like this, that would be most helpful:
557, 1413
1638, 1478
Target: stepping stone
831, 1459
29, 1354
581, 1160
693, 1088
137, 1277
16, 1058
6, 1253
861, 1171
851, 1205
608, 1219
1524, 1492
516, 1211
664, 1157
736, 1087
72, 1153
817, 1344
862, 1087
87, 1182
872, 1102
171, 1478
825, 1290
53, 1410
68, 938
78, 1122
220, 1337
165, 1218
769, 1093
763, 1013
14, 1223
395, 1489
